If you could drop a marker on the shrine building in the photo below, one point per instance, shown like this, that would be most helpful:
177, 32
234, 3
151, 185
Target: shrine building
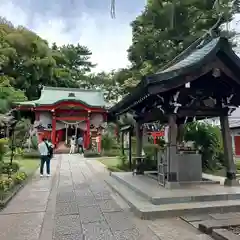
61, 113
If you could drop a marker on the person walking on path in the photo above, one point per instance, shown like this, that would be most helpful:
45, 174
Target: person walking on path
80, 145
45, 152
72, 145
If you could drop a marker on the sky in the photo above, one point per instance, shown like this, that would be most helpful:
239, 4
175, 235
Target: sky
85, 21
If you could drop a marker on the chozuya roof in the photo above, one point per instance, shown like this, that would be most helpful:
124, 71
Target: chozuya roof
200, 53
54, 95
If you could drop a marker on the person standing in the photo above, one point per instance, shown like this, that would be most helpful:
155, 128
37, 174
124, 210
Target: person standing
44, 148
80, 145
72, 145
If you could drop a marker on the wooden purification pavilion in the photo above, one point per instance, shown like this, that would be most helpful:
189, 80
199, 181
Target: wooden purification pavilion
202, 82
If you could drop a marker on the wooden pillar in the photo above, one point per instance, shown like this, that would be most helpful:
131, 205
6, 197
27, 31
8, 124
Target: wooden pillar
66, 136
54, 125
154, 139
139, 139
88, 130
172, 160
122, 141
130, 149
76, 127
85, 139
228, 151
180, 133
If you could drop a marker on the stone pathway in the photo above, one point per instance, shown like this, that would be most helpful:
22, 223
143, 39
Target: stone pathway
75, 203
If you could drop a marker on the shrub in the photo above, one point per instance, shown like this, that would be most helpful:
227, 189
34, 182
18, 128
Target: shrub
21, 132
107, 142
8, 167
3, 147
123, 165
34, 142
6, 184
19, 177
207, 139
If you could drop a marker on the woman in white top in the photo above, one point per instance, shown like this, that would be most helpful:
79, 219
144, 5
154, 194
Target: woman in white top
72, 145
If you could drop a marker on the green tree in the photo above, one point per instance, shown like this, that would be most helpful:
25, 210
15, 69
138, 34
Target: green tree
72, 65
208, 140
27, 62
165, 28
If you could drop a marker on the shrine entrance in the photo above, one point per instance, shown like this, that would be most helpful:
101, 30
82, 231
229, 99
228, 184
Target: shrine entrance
61, 113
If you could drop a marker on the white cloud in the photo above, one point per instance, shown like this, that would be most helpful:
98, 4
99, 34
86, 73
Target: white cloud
107, 38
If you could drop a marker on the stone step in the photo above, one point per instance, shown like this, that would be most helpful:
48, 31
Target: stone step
146, 210
141, 188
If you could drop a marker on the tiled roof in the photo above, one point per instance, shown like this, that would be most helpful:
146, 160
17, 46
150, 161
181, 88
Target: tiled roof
53, 95
194, 57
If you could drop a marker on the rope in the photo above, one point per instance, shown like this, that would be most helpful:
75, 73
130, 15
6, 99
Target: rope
67, 123
112, 10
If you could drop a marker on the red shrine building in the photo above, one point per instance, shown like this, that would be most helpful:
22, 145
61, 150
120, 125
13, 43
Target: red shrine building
61, 113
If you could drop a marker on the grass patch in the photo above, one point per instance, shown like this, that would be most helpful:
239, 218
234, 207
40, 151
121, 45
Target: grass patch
112, 164
26, 165
222, 172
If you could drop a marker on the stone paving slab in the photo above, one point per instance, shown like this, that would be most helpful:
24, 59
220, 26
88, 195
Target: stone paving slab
66, 208
67, 224
208, 225
119, 221
222, 216
224, 234
21, 226
109, 206
68, 196
90, 214
198, 217
97, 231
169, 229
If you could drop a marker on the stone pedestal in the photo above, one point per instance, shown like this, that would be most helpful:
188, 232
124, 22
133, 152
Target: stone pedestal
188, 170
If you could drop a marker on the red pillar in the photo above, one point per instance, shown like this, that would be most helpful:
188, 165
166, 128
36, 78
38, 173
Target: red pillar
155, 140
53, 129
88, 129
85, 139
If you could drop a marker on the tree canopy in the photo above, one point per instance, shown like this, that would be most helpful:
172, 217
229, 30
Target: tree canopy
27, 62
162, 30
165, 28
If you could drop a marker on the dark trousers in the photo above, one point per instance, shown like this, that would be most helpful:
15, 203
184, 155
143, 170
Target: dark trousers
45, 159
80, 149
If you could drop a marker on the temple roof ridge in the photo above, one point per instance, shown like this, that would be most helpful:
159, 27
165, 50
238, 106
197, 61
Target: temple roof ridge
70, 89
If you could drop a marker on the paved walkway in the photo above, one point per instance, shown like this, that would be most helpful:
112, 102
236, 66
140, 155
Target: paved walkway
75, 203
